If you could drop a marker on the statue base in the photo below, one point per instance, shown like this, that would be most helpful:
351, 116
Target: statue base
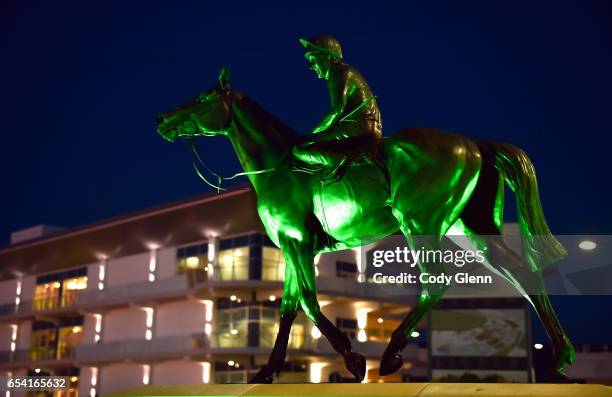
378, 389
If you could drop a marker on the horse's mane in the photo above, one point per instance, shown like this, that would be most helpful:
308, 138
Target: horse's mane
276, 127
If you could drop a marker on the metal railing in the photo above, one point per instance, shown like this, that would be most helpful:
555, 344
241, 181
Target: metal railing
140, 348
134, 291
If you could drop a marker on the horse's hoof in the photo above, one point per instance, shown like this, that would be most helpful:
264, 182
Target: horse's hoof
564, 356
356, 364
263, 376
390, 363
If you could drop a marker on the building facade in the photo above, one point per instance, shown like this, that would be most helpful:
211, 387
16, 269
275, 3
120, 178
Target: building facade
185, 293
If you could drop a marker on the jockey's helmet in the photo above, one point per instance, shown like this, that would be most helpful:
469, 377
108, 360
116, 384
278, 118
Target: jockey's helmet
326, 44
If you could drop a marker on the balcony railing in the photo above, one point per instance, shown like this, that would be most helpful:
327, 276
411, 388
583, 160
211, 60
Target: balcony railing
40, 354
9, 309
140, 348
133, 291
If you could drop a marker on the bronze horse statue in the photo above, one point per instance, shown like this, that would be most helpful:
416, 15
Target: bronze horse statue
422, 182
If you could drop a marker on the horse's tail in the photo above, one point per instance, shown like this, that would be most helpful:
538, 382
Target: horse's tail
540, 247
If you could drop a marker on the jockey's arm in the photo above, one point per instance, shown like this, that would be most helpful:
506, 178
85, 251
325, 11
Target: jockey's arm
338, 91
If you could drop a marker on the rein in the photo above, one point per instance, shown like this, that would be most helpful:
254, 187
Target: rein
220, 178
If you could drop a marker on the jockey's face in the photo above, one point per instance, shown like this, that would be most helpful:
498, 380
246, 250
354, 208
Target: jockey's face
319, 62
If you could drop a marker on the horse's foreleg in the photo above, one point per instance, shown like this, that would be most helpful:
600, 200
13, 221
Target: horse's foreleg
288, 312
430, 294
301, 257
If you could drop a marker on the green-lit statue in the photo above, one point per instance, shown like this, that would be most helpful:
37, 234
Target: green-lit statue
352, 128
418, 181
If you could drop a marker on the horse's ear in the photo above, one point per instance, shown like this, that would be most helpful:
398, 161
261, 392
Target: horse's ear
224, 78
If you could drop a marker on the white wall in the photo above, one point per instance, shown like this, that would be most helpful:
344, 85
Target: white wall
24, 335
119, 377
178, 372
127, 269
27, 288
93, 270
8, 290
124, 324
180, 318
166, 262
327, 262
6, 335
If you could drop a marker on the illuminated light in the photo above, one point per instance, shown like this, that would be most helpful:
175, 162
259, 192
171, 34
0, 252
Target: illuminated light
153, 246
94, 376
237, 253
151, 277
207, 329
587, 245
315, 371
538, 346
98, 325
238, 300
153, 260
233, 298
193, 262
316, 271
231, 363
148, 335
56, 284
146, 370
211, 251
361, 335
37, 370
76, 284
209, 309
13, 346
362, 317
237, 365
100, 286
17, 300
272, 298
205, 372
74, 379
18, 288
324, 303
317, 258
96, 338
14, 328
92, 392
415, 334
380, 320
234, 332
77, 329
315, 333
102, 271
149, 311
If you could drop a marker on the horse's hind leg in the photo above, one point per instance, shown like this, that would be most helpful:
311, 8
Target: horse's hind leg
482, 217
430, 294
530, 284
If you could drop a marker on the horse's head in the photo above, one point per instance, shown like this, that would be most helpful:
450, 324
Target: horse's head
208, 114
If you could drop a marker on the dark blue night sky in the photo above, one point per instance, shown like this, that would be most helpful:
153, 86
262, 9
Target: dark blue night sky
83, 85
